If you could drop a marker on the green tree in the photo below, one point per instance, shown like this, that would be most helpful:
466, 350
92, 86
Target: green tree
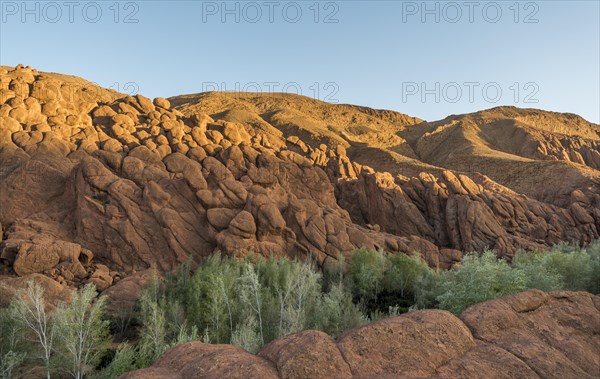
212, 296
82, 333
306, 290
28, 309
594, 251
366, 272
428, 288
9, 362
251, 296
12, 353
152, 317
477, 279
290, 290
536, 271
336, 311
574, 265
124, 360
403, 275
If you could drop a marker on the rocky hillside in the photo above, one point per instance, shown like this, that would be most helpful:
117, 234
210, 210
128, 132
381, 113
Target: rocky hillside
529, 335
95, 185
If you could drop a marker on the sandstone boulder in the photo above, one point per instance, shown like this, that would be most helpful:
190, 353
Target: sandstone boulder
412, 345
308, 354
243, 225
200, 360
557, 334
162, 102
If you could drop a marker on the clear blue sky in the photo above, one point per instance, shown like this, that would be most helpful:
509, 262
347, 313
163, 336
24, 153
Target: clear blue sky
378, 53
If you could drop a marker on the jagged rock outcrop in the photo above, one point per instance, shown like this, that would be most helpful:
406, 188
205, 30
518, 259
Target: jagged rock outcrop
529, 335
456, 212
95, 185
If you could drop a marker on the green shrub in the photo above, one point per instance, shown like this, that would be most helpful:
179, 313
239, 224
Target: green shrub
12, 349
247, 303
574, 268
535, 269
477, 279
566, 267
125, 359
428, 288
366, 272
246, 335
336, 311
334, 272
403, 273
82, 334
594, 251
253, 301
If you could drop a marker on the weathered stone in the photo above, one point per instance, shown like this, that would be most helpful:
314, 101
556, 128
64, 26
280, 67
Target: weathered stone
197, 359
220, 218
162, 102
308, 354
243, 225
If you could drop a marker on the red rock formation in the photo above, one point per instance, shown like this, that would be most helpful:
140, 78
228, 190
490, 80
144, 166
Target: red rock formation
95, 185
201, 360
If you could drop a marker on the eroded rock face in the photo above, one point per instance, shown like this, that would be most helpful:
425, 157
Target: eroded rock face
133, 183
410, 346
529, 335
457, 212
121, 298
201, 360
95, 185
309, 354
562, 327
